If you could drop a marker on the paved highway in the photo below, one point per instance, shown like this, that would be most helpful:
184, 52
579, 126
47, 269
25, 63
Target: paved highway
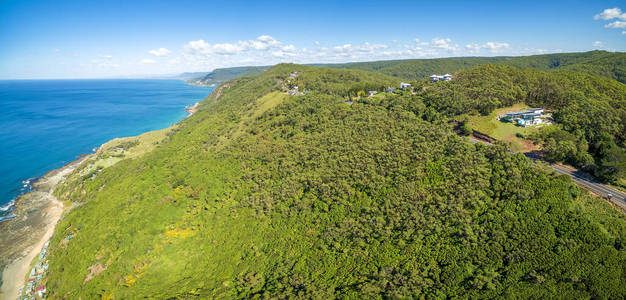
580, 178
618, 197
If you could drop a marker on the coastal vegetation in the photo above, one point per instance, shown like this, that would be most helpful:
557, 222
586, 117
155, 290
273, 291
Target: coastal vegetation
336, 194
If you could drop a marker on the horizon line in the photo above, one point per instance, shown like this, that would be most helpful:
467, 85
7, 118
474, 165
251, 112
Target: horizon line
174, 75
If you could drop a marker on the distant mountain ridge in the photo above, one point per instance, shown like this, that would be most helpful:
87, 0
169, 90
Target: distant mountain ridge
191, 75
219, 76
598, 63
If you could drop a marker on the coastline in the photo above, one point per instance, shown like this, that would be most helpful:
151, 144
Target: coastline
191, 109
37, 214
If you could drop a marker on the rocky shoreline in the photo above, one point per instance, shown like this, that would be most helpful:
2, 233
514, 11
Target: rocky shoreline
191, 109
37, 213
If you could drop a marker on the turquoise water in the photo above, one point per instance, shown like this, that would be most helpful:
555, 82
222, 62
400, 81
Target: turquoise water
45, 124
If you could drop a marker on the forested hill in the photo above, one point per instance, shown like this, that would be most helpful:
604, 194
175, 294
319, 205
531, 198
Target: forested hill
599, 63
331, 194
219, 76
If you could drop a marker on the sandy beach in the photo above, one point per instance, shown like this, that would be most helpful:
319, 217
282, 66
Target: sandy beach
37, 215
39, 211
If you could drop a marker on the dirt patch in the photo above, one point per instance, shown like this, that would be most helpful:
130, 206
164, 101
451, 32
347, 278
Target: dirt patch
218, 92
166, 199
527, 145
94, 270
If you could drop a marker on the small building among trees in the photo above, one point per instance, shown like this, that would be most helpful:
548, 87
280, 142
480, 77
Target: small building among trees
526, 117
445, 77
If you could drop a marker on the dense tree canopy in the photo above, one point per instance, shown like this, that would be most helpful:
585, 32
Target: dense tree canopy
598, 63
592, 109
260, 194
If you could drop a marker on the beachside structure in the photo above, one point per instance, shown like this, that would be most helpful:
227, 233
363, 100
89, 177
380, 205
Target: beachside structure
526, 117
445, 77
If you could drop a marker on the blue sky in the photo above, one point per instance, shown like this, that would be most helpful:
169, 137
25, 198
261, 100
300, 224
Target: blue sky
94, 39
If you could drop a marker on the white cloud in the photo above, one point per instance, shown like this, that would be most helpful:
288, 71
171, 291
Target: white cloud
598, 44
493, 47
611, 13
160, 52
227, 49
199, 46
496, 46
445, 44
147, 61
268, 39
369, 48
107, 56
289, 48
616, 24
201, 55
344, 48
262, 43
473, 48
349, 49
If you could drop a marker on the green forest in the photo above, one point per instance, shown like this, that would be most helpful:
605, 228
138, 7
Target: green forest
590, 112
333, 194
598, 63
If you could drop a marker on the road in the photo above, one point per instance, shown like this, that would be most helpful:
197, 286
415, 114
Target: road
618, 197
582, 179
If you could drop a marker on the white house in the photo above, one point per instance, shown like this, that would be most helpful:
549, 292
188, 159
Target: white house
445, 77
404, 85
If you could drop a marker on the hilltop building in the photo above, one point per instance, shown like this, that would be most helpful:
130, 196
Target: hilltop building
445, 77
404, 85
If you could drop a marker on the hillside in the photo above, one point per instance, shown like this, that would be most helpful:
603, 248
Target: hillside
219, 76
590, 111
263, 194
598, 63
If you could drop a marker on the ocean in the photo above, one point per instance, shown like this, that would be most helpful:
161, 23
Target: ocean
45, 124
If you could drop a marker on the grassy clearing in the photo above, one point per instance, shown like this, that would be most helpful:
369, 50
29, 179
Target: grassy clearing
504, 131
134, 146
119, 149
